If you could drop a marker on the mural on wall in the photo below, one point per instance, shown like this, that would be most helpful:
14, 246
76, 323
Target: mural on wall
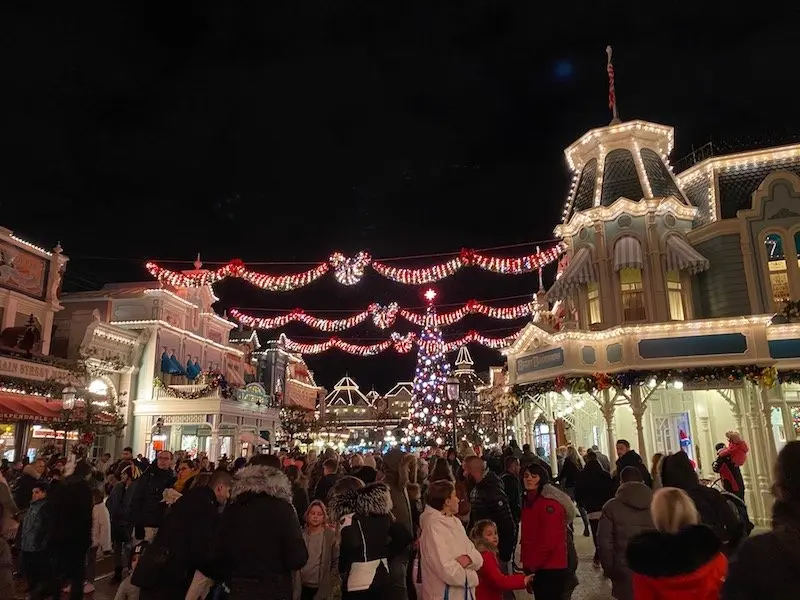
22, 271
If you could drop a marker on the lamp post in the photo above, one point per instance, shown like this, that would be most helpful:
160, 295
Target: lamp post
453, 392
68, 395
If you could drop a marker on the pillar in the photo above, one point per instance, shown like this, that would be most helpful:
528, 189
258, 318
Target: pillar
607, 408
22, 435
638, 406
9, 312
551, 428
213, 445
759, 462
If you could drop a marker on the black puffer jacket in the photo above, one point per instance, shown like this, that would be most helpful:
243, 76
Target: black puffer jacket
632, 459
147, 506
489, 501
594, 487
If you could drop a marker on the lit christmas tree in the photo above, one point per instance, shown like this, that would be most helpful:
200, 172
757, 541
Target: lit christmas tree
431, 419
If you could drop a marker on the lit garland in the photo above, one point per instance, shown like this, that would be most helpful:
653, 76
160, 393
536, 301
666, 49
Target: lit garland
350, 271
400, 343
765, 377
213, 380
384, 316
47, 389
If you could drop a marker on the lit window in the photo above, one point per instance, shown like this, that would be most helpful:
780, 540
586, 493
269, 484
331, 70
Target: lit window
632, 294
776, 264
593, 301
675, 296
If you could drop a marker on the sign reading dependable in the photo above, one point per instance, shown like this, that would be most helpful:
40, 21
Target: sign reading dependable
11, 367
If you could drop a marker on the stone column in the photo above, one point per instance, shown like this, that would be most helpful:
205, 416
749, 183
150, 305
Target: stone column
551, 427
759, 459
607, 408
638, 406
213, 444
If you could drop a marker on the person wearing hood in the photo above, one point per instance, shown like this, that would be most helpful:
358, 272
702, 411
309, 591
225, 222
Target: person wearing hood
547, 550
257, 564
681, 558
396, 478
627, 457
714, 510
765, 566
367, 472
370, 538
449, 561
488, 500
623, 517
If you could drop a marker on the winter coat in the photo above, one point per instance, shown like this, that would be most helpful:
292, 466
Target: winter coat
544, 533
300, 499
369, 536
23, 488
594, 487
9, 506
35, 526
492, 582
188, 533
632, 459
71, 506
765, 566
568, 474
101, 528
401, 505
603, 460
328, 561
119, 509
624, 517
489, 501
7, 587
366, 474
513, 487
324, 487
682, 566
737, 451
441, 542
260, 543
147, 509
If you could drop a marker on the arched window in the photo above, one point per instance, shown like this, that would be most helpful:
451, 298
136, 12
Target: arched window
776, 265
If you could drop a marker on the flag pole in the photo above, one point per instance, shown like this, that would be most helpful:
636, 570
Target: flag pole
541, 285
612, 92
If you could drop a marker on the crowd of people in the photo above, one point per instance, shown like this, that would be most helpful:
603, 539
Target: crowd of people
439, 524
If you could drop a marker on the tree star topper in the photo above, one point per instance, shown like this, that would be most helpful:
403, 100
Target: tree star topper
430, 295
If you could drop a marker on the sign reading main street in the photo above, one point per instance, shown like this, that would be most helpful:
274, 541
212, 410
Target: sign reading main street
11, 367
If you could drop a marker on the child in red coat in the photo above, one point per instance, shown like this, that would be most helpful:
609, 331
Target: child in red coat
492, 582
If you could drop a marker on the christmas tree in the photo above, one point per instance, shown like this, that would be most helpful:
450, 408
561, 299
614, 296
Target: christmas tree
431, 419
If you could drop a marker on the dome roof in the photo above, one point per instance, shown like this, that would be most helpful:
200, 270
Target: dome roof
622, 160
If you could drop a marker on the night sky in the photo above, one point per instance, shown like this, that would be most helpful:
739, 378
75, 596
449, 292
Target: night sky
279, 132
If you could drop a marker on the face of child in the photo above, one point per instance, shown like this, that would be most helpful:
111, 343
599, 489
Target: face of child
490, 535
315, 516
38, 494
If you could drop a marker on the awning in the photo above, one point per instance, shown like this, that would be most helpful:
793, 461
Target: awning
628, 254
21, 407
578, 272
682, 257
252, 438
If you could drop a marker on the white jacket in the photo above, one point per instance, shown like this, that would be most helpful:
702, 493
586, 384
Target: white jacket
441, 542
101, 528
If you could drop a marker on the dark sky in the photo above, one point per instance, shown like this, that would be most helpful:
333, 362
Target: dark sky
283, 131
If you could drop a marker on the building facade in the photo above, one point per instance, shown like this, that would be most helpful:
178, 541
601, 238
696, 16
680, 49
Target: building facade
679, 300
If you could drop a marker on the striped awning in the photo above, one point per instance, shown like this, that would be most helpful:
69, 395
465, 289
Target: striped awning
578, 272
628, 254
682, 257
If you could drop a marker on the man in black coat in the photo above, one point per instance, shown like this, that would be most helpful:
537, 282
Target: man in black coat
188, 534
147, 506
630, 458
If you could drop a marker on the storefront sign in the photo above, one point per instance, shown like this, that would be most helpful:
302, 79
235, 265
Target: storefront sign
538, 362
11, 367
22, 271
253, 392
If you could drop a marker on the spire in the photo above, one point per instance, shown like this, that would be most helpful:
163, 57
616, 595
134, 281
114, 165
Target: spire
464, 360
612, 92
198, 264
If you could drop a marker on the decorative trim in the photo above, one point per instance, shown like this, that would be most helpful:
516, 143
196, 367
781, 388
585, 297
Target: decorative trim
658, 206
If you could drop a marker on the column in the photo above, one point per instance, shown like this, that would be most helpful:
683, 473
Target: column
766, 409
175, 437
213, 445
760, 456
47, 331
9, 312
551, 428
638, 406
22, 435
607, 408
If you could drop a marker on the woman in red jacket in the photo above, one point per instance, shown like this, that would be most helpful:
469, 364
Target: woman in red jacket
543, 536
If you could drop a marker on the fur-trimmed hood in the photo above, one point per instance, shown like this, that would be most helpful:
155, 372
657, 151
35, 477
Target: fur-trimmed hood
261, 480
552, 492
683, 555
372, 500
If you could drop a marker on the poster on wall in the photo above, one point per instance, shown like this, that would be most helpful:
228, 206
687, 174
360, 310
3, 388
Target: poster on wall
22, 271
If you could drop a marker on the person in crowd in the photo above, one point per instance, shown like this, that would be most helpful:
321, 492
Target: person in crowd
147, 508
442, 471
493, 583
101, 537
449, 561
33, 542
186, 537
330, 474
315, 579
568, 472
623, 517
257, 567
488, 500
714, 510
119, 510
452, 460
31, 474
126, 589
729, 462
103, 464
529, 458
396, 473
546, 544
679, 559
513, 487
368, 472
7, 588
185, 474
655, 470
8, 525
561, 456
593, 489
127, 459
765, 566
626, 457
370, 538
299, 490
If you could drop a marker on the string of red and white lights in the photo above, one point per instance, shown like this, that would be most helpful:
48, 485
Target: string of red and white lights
350, 270
383, 316
400, 343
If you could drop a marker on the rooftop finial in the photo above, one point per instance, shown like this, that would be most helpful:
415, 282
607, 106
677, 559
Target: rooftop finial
198, 264
612, 93
541, 284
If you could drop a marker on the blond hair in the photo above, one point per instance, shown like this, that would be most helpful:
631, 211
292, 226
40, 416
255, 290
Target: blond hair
672, 510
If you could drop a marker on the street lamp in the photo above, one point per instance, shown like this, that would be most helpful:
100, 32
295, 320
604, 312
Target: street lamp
68, 395
453, 392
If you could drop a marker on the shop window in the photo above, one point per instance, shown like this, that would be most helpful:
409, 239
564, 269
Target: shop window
675, 296
776, 266
593, 302
796, 248
632, 294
